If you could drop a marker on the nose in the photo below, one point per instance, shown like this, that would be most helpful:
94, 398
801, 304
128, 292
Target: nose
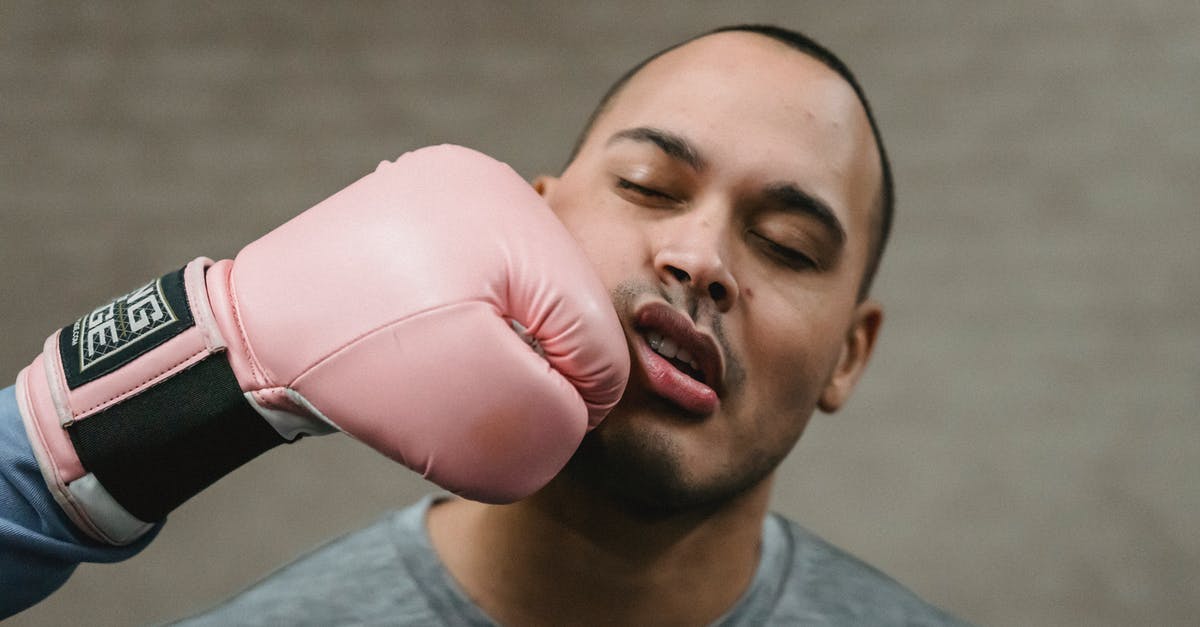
691, 252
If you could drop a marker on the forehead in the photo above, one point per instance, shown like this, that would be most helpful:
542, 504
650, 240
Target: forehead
760, 112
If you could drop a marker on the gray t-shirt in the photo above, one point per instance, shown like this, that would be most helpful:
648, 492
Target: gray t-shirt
389, 574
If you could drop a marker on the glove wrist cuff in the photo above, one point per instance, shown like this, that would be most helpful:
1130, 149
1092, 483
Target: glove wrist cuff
115, 407
159, 448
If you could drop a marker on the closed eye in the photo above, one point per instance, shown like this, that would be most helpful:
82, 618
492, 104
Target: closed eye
789, 257
642, 190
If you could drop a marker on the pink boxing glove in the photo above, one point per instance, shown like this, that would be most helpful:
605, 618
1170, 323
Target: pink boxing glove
387, 311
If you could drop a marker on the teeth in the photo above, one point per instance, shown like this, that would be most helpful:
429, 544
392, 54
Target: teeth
669, 349
663, 346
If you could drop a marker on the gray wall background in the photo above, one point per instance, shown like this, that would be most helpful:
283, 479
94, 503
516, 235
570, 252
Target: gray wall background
1024, 448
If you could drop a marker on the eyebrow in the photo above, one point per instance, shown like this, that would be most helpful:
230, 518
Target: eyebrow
786, 195
673, 145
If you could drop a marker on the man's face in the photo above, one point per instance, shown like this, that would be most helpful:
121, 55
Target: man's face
726, 199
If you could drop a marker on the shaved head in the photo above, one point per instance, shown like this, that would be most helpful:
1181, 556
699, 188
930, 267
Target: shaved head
884, 209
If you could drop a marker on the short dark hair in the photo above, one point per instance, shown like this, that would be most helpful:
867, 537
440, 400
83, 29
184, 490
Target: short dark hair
882, 220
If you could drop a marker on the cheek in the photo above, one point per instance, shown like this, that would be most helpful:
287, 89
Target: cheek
610, 243
790, 352
610, 252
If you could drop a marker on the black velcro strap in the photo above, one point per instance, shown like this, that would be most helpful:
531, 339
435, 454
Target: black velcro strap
117, 333
156, 450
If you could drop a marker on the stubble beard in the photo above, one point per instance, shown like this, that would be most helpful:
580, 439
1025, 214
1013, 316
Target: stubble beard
643, 472
642, 469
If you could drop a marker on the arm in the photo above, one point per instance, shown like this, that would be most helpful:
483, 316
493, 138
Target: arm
386, 312
39, 546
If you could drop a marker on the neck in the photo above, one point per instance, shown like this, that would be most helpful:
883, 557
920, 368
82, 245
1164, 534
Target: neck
567, 555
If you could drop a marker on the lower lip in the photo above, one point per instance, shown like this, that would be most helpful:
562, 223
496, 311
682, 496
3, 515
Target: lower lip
673, 384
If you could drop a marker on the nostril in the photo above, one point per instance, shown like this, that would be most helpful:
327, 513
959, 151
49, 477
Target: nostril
717, 291
679, 275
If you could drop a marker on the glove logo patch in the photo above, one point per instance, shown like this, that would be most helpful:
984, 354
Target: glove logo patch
114, 334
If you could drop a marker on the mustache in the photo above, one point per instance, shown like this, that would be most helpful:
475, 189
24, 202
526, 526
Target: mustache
627, 292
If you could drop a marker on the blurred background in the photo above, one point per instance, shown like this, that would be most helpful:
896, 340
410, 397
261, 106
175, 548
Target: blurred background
1024, 449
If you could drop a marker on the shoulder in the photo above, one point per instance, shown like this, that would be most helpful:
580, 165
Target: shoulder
361, 578
827, 585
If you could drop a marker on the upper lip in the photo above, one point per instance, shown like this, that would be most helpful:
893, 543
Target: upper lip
664, 319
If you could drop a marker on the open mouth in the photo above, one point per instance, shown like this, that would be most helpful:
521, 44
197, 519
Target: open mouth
680, 358
682, 364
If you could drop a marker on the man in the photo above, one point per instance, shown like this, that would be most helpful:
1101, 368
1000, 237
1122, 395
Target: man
734, 197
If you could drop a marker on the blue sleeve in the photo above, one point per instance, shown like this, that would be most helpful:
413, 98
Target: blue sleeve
39, 545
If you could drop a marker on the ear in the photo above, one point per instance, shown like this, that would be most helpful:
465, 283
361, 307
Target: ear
544, 185
856, 352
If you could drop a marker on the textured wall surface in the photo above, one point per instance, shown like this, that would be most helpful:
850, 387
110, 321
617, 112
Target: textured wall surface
1024, 448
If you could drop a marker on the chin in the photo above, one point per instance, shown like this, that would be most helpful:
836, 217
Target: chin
643, 467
